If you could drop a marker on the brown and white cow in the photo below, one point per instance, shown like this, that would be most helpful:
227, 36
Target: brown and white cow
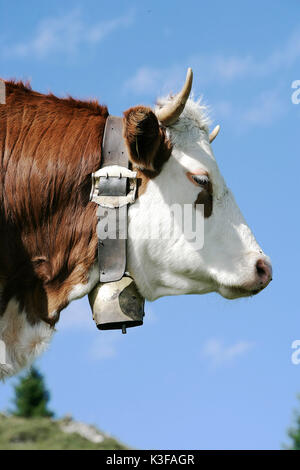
48, 244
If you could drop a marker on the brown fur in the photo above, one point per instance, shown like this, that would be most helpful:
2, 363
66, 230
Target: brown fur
48, 149
147, 142
206, 197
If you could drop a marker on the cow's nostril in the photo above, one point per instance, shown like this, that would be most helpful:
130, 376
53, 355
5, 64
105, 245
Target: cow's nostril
264, 271
260, 270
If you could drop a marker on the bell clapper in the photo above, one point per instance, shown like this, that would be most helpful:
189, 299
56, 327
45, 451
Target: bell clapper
124, 329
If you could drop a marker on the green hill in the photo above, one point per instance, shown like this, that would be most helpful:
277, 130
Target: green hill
45, 433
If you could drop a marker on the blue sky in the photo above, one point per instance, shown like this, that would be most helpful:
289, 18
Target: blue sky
203, 372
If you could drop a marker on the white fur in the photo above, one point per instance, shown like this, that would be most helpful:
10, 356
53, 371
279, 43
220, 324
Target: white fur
79, 290
167, 267
23, 342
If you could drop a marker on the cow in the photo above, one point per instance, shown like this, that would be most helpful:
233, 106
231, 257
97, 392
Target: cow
49, 148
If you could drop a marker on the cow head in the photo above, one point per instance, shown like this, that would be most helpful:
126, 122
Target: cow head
171, 147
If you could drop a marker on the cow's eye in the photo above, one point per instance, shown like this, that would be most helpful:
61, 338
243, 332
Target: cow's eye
202, 180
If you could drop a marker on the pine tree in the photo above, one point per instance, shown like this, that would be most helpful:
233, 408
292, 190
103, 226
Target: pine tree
294, 432
31, 396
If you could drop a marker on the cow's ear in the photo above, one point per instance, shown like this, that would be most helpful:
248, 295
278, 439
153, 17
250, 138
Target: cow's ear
147, 142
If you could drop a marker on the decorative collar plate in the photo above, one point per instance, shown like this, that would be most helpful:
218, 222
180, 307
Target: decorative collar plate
113, 171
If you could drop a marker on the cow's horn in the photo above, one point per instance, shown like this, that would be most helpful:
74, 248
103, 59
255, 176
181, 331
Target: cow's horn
169, 114
214, 133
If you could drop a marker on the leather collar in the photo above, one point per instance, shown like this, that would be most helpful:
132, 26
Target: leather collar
113, 188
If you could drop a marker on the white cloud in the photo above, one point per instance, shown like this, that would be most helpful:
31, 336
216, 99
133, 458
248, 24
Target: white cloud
65, 34
78, 316
267, 108
263, 111
214, 68
146, 78
150, 315
105, 346
223, 109
236, 67
155, 81
218, 354
103, 29
285, 56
